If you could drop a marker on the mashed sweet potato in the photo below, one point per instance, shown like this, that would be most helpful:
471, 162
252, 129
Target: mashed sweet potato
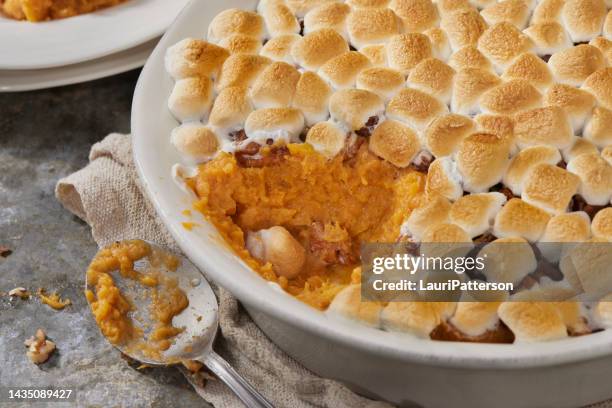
41, 10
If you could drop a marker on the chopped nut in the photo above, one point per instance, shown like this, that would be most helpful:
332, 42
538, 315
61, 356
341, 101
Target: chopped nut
39, 348
19, 292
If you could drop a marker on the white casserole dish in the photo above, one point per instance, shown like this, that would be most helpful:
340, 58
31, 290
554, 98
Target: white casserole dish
398, 368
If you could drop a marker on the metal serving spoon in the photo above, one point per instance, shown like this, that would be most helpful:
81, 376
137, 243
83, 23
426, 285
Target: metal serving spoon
200, 320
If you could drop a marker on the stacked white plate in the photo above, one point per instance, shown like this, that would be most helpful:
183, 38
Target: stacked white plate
82, 48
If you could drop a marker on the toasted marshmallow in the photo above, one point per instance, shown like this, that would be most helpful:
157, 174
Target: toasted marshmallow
417, 318
607, 27
510, 97
440, 46
416, 15
508, 260
482, 159
550, 188
475, 319
596, 176
502, 43
235, 21
277, 246
230, 109
605, 46
385, 82
241, 70
602, 224
196, 141
395, 142
192, 57
475, 213
520, 219
326, 138
284, 124
469, 86
578, 146
573, 65
603, 312
191, 98
352, 108
599, 83
301, 7
275, 86
598, 127
445, 133
341, 71
372, 26
500, 125
583, 19
329, 15
415, 108
241, 44
469, 57
446, 233
433, 77
311, 96
561, 231
547, 11
533, 321
543, 126
318, 47
591, 262
279, 20
531, 68
522, 164
575, 102
405, 51
606, 154
548, 37
463, 27
279, 48
349, 305
368, 3
376, 53
434, 211
515, 12
444, 179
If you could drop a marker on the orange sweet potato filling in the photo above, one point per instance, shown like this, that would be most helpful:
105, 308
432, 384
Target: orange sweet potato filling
40, 10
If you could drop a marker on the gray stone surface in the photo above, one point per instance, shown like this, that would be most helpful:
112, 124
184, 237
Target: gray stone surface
45, 135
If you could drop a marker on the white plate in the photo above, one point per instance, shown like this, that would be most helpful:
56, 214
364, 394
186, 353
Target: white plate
48, 44
27, 80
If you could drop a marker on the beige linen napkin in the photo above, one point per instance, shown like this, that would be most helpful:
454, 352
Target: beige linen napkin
106, 194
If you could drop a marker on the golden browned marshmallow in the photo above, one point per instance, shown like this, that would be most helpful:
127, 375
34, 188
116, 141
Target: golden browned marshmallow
475, 318
607, 28
440, 46
196, 141
482, 159
605, 46
533, 321
416, 15
575, 102
444, 134
405, 51
318, 47
368, 3
578, 146
241, 44
434, 211
235, 21
515, 12
511, 97
606, 154
352, 108
326, 138
241, 70
311, 96
599, 83
376, 53
475, 212
277, 246
583, 19
564, 228
284, 124
349, 305
329, 15
469, 86
522, 164
385, 82
602, 224
444, 179
463, 27
508, 260
279, 48
591, 267
547, 10
596, 176
469, 57
279, 20
191, 98
301, 7
603, 311
417, 318
341, 71
230, 109
446, 233
449, 6
502, 43
372, 26
275, 86
434, 77
573, 65
543, 126
192, 57
415, 108
548, 37
394, 142
500, 125
520, 219
550, 188
531, 68
598, 128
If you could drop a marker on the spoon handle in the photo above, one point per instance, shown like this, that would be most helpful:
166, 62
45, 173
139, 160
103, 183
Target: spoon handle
243, 390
